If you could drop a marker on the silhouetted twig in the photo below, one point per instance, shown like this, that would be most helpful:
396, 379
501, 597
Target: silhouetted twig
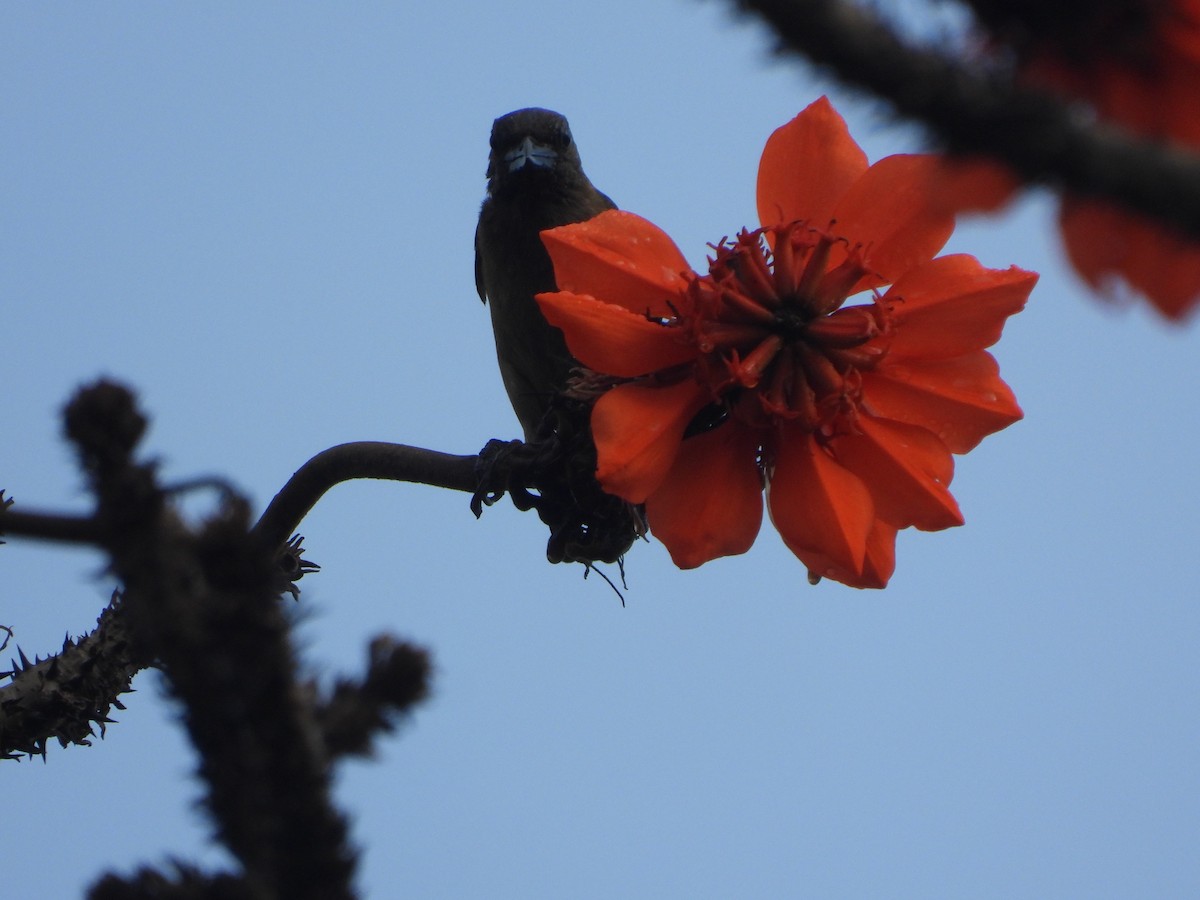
397, 678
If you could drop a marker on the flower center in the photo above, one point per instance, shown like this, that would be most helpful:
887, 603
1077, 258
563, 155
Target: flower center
776, 341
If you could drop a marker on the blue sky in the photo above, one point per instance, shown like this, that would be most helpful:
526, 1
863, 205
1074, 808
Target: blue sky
261, 217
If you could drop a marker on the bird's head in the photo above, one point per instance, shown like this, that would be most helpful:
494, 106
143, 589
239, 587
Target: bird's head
531, 146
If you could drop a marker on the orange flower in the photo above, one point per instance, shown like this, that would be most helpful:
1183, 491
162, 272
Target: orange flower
1147, 77
756, 373
1138, 64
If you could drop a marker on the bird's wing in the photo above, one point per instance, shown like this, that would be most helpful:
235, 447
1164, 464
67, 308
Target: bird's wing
479, 285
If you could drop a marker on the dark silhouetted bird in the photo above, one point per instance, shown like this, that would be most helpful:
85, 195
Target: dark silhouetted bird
535, 182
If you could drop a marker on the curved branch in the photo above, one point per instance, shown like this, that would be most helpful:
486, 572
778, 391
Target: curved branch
1039, 137
52, 527
360, 459
345, 462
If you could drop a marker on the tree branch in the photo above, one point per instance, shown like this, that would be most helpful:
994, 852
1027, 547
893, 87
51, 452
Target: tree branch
361, 459
201, 603
51, 527
1040, 138
356, 711
69, 694
345, 462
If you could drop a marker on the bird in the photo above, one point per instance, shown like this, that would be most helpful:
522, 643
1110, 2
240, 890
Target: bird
535, 181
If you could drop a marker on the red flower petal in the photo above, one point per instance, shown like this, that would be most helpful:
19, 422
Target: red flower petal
880, 560
961, 400
907, 470
952, 305
637, 430
610, 338
890, 211
975, 183
1175, 98
1103, 241
710, 503
878, 564
1147, 79
619, 258
806, 166
1153, 91
823, 512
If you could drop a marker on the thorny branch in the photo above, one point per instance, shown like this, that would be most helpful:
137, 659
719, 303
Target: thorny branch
49, 699
69, 694
202, 605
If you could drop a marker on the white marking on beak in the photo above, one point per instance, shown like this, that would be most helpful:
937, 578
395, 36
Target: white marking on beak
532, 153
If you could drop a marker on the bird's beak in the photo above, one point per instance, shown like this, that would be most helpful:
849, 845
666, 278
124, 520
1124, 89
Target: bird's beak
530, 153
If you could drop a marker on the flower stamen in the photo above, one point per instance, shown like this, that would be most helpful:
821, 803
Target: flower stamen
844, 328
710, 336
745, 261
820, 372
814, 269
741, 303
837, 283
749, 371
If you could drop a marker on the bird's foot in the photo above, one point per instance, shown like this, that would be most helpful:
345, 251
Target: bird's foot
504, 467
555, 474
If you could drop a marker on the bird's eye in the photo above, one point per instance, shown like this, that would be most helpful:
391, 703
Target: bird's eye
562, 139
